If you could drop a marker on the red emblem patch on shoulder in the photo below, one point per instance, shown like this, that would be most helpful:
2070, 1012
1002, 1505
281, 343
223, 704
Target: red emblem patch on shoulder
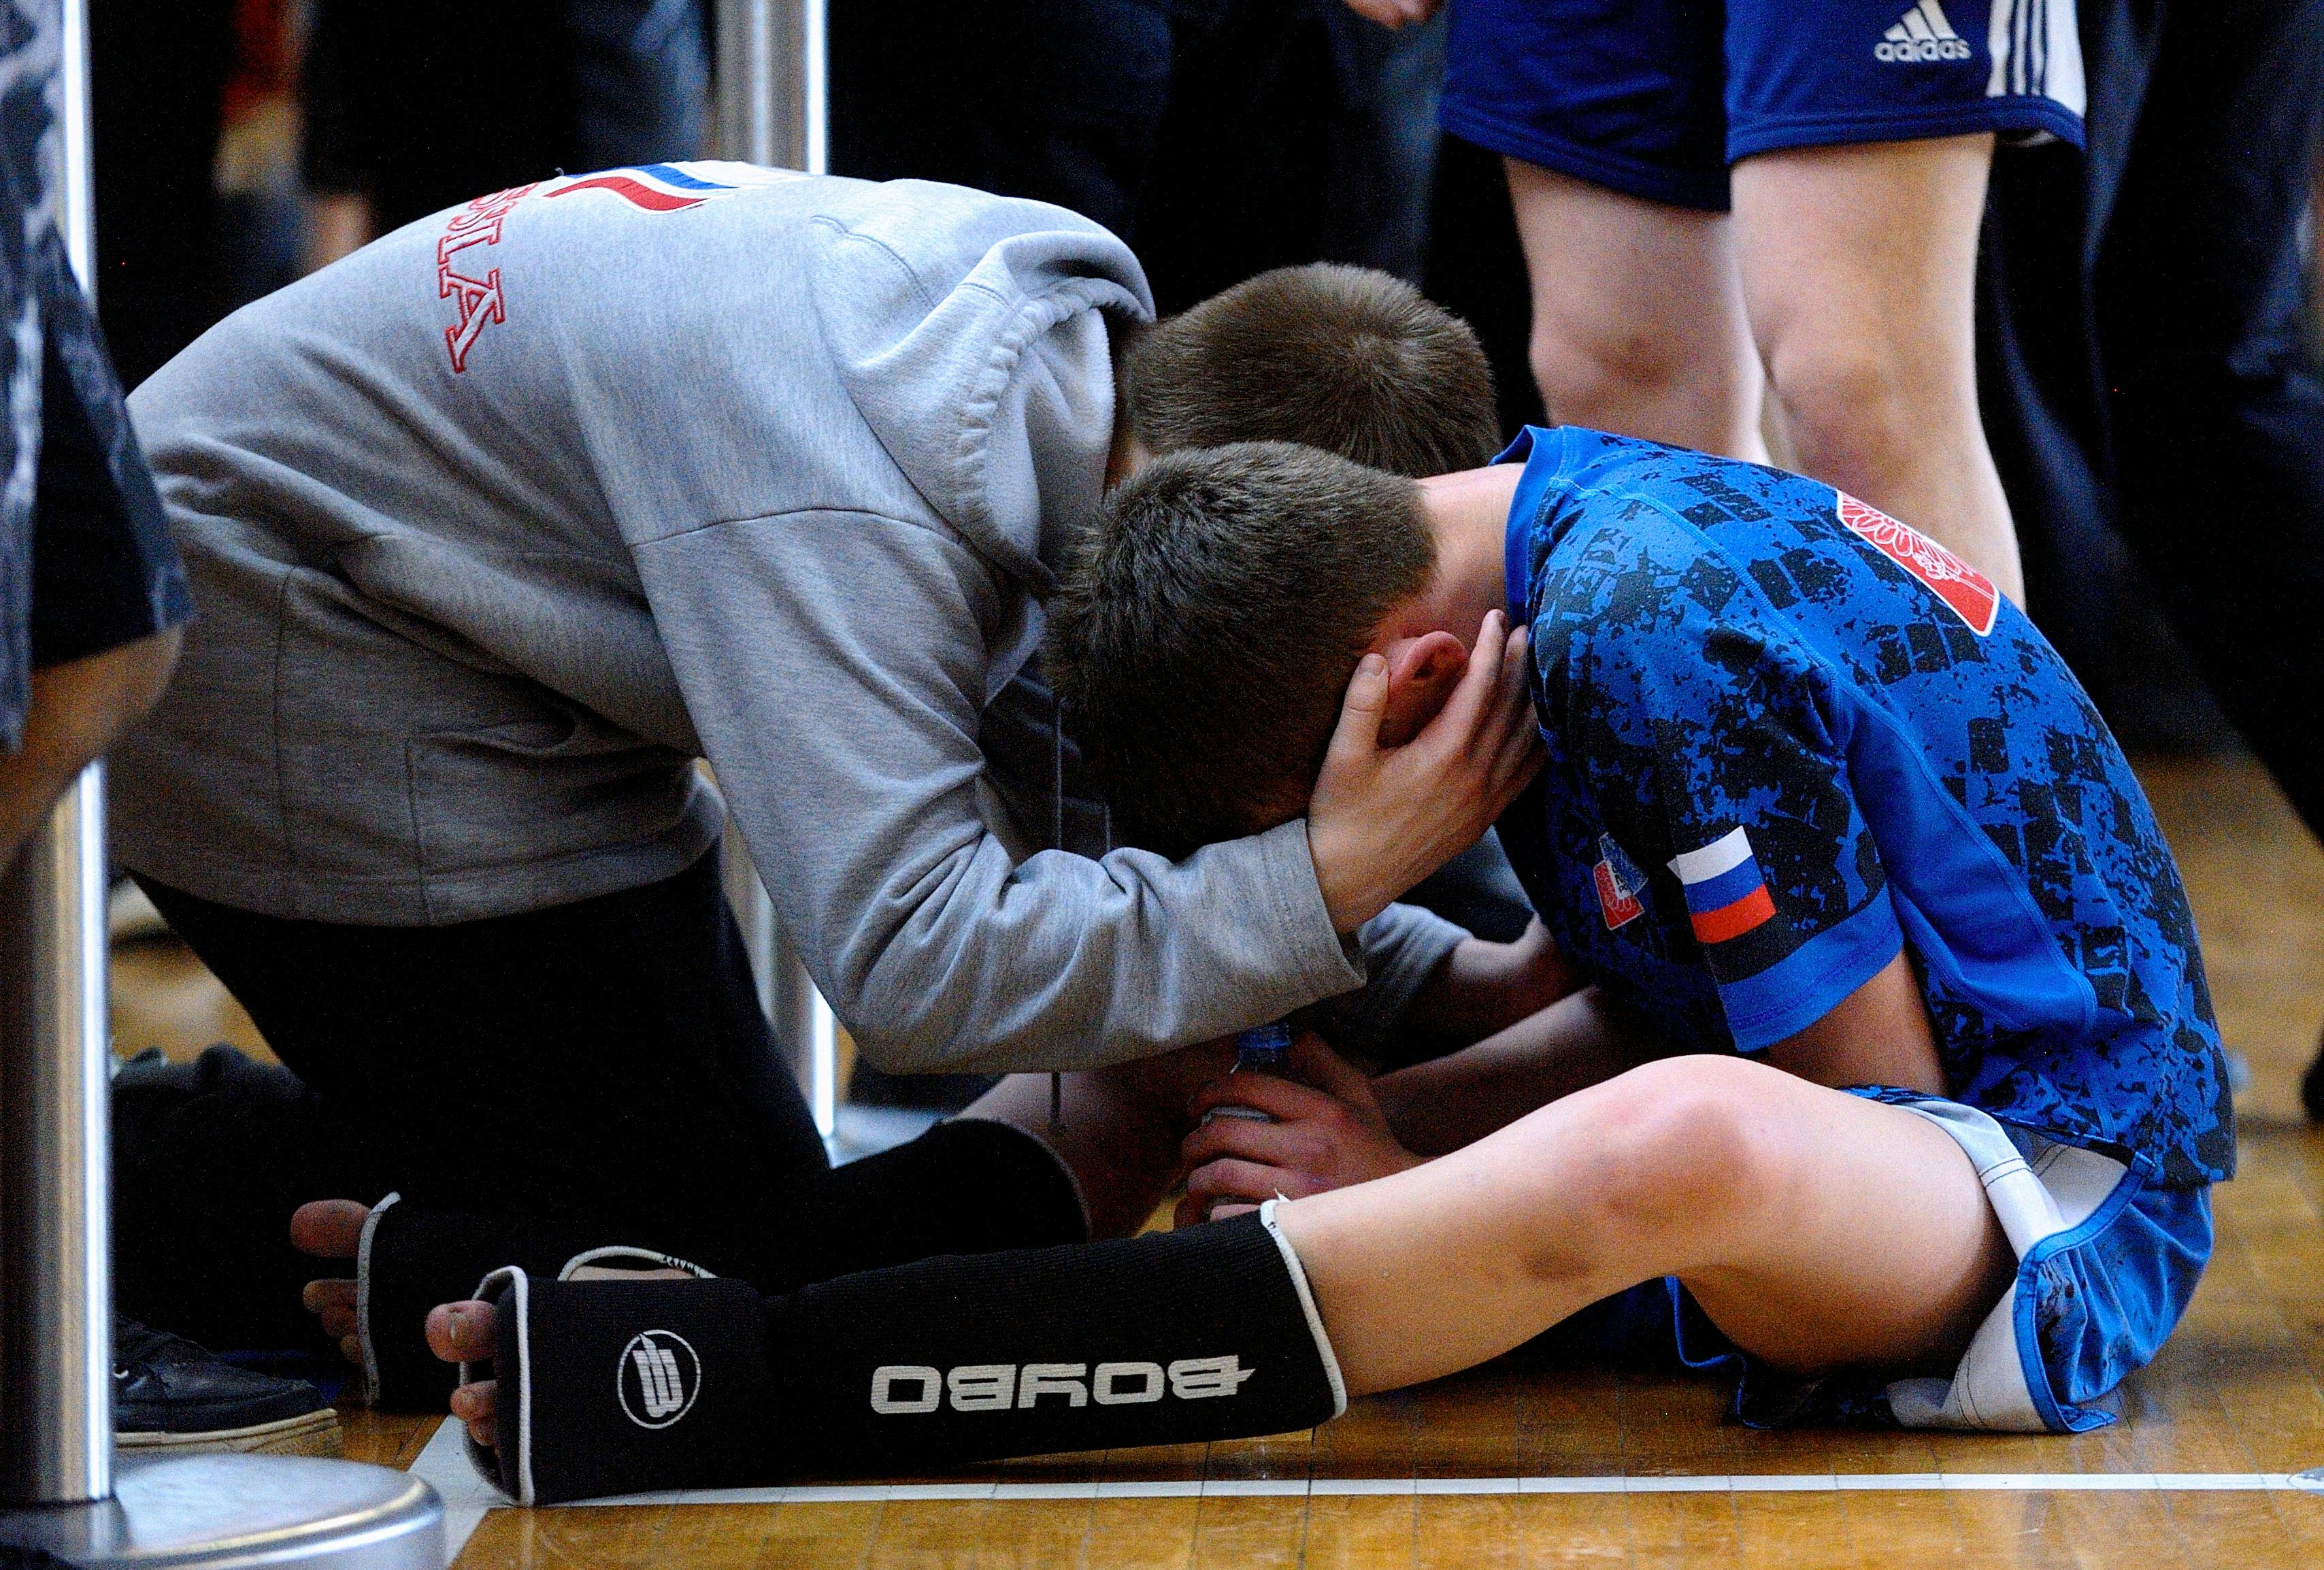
1619, 905
1969, 592
1621, 887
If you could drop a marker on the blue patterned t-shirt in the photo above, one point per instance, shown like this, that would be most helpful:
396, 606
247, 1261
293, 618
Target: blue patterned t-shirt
1787, 734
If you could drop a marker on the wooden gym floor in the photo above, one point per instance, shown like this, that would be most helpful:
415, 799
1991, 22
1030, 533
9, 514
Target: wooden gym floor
1505, 1467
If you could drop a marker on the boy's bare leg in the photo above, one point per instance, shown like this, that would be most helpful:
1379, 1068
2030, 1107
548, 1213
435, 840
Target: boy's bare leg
1119, 1128
1637, 316
1858, 268
1816, 1228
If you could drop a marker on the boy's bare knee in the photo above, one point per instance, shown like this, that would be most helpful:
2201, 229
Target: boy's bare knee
1577, 381
1682, 1152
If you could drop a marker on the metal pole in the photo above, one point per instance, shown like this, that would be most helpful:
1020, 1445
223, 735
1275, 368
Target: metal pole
77, 176
804, 1026
796, 998
56, 1285
56, 1290
772, 82
773, 109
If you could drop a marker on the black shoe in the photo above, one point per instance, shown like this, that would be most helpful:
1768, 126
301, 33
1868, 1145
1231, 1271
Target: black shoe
170, 1395
2312, 1089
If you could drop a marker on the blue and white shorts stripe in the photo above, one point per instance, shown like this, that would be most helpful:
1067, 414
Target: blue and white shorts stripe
1655, 98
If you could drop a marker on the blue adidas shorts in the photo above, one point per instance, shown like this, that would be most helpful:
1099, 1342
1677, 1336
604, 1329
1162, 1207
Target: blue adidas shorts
2107, 1263
1655, 98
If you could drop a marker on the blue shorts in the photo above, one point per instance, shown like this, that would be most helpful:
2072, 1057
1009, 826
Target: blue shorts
1655, 98
2108, 1261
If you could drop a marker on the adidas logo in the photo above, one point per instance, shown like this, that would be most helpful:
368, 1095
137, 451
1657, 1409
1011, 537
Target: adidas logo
1921, 35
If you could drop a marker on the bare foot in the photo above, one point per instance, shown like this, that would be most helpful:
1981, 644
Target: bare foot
463, 1332
332, 1229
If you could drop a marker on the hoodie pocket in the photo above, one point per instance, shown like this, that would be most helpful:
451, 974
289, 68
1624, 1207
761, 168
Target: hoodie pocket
544, 788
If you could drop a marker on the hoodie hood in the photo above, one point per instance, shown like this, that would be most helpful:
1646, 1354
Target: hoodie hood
971, 334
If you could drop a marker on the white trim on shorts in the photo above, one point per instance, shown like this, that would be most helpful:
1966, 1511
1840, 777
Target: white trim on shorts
2036, 48
1991, 1388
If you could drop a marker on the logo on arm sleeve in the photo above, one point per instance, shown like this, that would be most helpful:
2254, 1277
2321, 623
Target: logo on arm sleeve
658, 1378
1967, 592
478, 299
462, 277
1621, 886
654, 187
1726, 896
672, 187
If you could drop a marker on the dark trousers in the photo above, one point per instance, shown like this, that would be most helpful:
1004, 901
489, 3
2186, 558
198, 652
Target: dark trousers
604, 1060
2142, 355
1296, 132
1219, 137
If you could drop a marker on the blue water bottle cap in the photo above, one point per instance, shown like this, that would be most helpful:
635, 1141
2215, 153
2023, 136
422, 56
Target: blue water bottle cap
1264, 1047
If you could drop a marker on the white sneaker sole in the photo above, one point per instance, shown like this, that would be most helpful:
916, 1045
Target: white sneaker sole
313, 1433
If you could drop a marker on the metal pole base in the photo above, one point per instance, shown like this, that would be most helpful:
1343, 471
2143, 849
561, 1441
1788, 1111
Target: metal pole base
228, 1512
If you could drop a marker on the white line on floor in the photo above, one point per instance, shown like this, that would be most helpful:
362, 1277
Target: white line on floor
467, 1497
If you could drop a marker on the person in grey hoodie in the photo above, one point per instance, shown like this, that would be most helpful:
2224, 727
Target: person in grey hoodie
498, 525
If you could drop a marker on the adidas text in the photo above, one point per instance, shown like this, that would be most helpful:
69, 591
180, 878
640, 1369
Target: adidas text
1921, 48
1922, 34
899, 1389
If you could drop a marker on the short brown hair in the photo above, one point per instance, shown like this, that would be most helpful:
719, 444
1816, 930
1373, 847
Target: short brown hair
1207, 625
1353, 361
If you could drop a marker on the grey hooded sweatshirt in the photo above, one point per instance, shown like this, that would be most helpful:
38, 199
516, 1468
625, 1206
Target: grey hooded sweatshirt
497, 525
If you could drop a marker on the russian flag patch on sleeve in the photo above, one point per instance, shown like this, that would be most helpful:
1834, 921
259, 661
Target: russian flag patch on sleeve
1726, 896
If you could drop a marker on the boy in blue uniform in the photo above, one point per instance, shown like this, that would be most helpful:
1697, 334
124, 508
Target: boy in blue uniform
1888, 1072
1815, 794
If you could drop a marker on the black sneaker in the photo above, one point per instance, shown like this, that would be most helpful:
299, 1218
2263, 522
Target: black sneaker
170, 1394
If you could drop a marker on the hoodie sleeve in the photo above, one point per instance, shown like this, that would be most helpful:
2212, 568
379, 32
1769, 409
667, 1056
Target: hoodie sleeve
1399, 947
837, 656
851, 658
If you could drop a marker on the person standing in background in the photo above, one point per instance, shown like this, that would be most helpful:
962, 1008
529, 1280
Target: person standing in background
1221, 138
2146, 365
414, 107
1851, 142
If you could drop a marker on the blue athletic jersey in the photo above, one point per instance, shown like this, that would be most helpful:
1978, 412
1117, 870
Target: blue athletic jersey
1787, 734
